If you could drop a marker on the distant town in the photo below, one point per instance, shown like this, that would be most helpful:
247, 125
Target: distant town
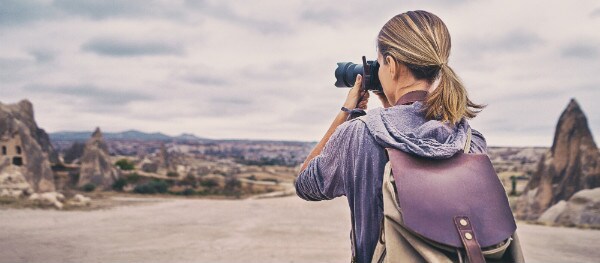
136, 143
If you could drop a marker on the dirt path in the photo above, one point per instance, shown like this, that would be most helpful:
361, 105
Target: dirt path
260, 230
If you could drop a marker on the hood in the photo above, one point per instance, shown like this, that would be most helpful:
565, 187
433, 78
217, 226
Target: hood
404, 127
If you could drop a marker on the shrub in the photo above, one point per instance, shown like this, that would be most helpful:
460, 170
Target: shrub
188, 191
209, 183
119, 184
89, 187
133, 178
144, 189
152, 187
172, 174
232, 185
125, 164
74, 178
7, 200
189, 180
160, 186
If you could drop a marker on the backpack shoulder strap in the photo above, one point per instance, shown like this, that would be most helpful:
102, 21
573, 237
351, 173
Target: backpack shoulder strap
468, 143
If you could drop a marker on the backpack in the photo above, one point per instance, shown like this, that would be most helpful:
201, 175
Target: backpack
446, 210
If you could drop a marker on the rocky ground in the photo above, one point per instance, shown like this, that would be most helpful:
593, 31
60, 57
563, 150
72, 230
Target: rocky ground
195, 230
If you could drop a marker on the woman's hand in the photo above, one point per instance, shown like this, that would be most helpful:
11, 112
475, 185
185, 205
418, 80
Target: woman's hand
383, 99
355, 94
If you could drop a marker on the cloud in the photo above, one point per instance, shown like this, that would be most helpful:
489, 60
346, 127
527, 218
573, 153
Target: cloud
200, 75
129, 48
99, 9
545, 93
327, 16
43, 55
14, 69
89, 93
17, 12
518, 40
595, 13
226, 106
206, 80
104, 9
278, 70
580, 50
21, 12
222, 11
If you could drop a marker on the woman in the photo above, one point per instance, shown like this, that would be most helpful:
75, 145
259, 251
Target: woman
425, 113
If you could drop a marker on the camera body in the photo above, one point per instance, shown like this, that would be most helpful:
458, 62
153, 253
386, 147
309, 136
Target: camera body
346, 72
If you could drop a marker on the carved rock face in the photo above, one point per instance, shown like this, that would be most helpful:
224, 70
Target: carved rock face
17, 124
571, 164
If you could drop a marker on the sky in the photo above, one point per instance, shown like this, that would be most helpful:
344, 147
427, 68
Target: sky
264, 69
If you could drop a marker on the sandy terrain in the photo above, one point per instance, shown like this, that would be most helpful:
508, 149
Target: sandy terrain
260, 230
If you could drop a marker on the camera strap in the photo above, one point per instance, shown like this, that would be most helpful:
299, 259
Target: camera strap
354, 113
412, 96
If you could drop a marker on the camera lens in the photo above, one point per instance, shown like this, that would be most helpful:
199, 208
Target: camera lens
346, 73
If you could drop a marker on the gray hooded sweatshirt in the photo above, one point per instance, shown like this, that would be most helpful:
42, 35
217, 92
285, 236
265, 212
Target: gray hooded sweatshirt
353, 160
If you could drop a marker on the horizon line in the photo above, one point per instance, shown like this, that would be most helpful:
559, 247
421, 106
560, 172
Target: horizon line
256, 139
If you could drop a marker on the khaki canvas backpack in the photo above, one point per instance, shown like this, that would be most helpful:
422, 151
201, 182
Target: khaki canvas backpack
451, 210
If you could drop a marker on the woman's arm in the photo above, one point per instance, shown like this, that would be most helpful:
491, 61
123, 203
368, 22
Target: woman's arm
339, 119
351, 102
328, 171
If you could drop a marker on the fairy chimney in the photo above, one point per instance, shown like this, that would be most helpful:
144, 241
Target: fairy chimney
571, 164
96, 167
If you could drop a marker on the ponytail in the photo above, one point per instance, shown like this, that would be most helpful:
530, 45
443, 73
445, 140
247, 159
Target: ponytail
449, 101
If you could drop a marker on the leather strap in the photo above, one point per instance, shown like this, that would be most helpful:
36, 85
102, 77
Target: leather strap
467, 235
412, 96
468, 144
353, 239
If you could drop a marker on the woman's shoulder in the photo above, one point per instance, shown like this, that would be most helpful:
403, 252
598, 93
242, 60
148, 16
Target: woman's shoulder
353, 126
352, 131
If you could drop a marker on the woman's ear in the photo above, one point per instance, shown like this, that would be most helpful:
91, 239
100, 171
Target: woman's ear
393, 66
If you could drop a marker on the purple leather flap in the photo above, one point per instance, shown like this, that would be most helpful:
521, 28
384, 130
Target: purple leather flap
432, 192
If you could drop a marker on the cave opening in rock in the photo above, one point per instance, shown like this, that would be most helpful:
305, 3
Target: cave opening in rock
17, 161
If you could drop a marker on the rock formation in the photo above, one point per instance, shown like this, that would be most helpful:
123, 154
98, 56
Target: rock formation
48, 199
73, 153
96, 166
12, 182
24, 145
571, 164
164, 159
149, 166
583, 208
80, 200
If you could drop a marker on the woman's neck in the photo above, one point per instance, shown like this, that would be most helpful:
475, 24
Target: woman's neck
404, 88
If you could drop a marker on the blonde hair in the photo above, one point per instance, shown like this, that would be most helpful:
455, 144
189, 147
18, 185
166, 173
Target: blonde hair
421, 41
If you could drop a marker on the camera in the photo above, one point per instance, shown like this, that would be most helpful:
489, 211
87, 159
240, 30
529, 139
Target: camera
346, 72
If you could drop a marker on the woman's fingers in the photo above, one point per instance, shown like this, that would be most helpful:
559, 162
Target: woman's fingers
364, 100
358, 81
354, 95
